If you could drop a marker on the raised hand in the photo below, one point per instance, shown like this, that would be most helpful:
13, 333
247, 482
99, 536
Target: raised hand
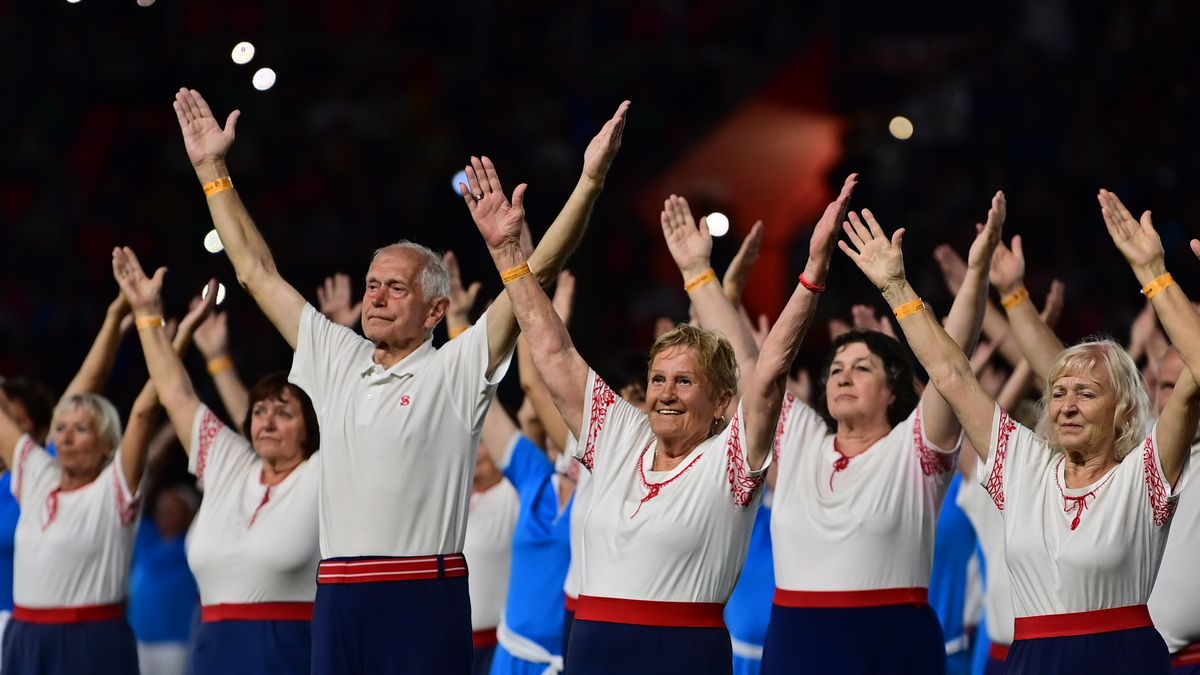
865, 318
199, 309
878, 257
820, 247
601, 151
143, 293
837, 328
212, 335
461, 299
987, 237
690, 246
1055, 299
334, 300
564, 296
203, 137
954, 268
1137, 240
498, 220
739, 268
1008, 266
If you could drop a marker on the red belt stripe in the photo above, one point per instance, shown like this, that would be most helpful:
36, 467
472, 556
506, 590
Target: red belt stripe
484, 638
58, 615
372, 570
257, 611
651, 612
1188, 656
998, 652
833, 599
572, 603
1082, 623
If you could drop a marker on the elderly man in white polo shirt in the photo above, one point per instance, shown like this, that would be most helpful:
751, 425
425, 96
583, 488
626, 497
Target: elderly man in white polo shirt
400, 419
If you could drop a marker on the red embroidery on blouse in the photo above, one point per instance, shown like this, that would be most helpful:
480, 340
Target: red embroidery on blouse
839, 464
652, 489
126, 508
210, 425
602, 399
932, 461
1163, 507
266, 498
788, 401
51, 507
1080, 502
744, 485
26, 448
995, 483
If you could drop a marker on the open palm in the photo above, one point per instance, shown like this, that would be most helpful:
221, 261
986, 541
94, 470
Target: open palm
878, 257
203, 137
143, 293
1136, 239
498, 220
690, 246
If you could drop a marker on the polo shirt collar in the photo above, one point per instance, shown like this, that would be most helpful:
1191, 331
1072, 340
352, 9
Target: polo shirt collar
405, 366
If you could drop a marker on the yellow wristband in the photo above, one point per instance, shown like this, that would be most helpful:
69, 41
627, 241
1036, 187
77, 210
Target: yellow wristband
150, 321
457, 330
909, 308
1158, 286
1015, 298
699, 280
219, 365
219, 185
513, 273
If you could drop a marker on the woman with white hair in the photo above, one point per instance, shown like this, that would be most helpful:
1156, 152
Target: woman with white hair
1087, 498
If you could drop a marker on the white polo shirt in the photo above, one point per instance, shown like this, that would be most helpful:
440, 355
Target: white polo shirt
488, 551
1175, 601
1077, 549
250, 542
73, 547
989, 526
866, 523
398, 445
678, 535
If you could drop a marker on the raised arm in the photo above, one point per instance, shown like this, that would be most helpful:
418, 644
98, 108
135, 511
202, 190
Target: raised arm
564, 233
1039, 345
734, 281
207, 144
212, 339
949, 370
335, 301
98, 363
964, 321
531, 382
462, 298
995, 326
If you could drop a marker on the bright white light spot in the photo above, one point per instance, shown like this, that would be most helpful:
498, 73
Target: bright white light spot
242, 51
460, 177
901, 127
73, 2
264, 79
212, 242
145, 3
718, 224
220, 293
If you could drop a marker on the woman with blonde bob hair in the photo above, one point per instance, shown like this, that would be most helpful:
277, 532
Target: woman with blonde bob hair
1088, 499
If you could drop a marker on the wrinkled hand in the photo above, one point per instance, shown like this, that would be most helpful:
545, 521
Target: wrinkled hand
1008, 266
334, 300
954, 268
203, 138
825, 232
143, 293
601, 151
461, 299
878, 257
987, 237
498, 220
690, 246
865, 318
739, 268
564, 296
212, 335
1137, 240
199, 309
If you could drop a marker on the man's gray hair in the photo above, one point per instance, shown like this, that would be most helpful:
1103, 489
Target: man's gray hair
435, 278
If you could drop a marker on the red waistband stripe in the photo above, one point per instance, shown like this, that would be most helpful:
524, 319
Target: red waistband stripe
371, 570
1082, 623
840, 599
257, 611
651, 612
572, 603
998, 652
484, 638
63, 615
1188, 656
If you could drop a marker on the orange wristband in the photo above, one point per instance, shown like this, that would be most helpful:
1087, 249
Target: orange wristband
1015, 298
699, 280
151, 321
909, 308
1157, 286
513, 273
219, 365
219, 185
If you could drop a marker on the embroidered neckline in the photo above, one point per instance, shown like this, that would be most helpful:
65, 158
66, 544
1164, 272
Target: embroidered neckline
1078, 501
652, 489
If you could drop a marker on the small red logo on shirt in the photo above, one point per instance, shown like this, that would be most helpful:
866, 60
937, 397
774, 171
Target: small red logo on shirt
405, 400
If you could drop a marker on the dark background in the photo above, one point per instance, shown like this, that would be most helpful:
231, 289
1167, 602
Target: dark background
378, 103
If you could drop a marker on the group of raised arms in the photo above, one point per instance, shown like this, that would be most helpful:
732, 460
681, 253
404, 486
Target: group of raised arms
704, 508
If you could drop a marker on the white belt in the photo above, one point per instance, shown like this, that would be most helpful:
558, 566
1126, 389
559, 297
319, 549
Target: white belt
958, 644
527, 650
746, 650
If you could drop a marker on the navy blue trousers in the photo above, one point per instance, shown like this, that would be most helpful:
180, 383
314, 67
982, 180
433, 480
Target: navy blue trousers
253, 648
1122, 652
600, 648
995, 667
568, 621
889, 640
481, 660
91, 648
421, 626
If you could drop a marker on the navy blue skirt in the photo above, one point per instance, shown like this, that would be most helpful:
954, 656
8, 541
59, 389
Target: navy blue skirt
1122, 652
568, 621
1186, 670
253, 648
420, 626
995, 666
91, 648
602, 648
888, 640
